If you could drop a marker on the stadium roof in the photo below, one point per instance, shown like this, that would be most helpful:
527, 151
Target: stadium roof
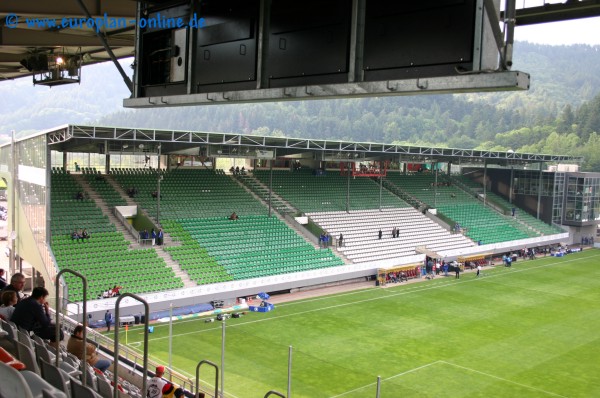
19, 38
101, 139
27, 31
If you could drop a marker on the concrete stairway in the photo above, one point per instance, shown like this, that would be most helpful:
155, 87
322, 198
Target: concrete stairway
133, 243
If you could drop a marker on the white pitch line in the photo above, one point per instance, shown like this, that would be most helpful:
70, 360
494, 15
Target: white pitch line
386, 379
505, 380
403, 292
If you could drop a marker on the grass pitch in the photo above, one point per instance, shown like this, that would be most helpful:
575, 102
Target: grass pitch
527, 331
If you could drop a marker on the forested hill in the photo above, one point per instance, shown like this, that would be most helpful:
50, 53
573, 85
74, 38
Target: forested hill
563, 79
561, 75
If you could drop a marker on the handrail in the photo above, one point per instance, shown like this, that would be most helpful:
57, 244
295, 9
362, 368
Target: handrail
116, 345
207, 362
57, 326
123, 221
273, 392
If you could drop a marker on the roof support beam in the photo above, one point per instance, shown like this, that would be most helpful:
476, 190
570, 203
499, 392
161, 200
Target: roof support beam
36, 38
108, 49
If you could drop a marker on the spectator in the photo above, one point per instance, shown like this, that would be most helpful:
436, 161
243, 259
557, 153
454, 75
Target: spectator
75, 346
237, 170
32, 314
77, 168
234, 216
79, 196
156, 384
160, 237
170, 390
75, 236
380, 234
84, 235
17, 281
153, 235
117, 290
341, 240
9, 299
108, 316
243, 170
2, 279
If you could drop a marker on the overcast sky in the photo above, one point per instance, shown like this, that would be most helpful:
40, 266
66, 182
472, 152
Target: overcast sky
579, 31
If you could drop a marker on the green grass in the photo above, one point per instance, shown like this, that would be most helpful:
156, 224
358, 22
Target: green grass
527, 331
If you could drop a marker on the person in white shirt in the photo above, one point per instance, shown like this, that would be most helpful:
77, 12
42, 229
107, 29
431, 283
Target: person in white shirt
156, 384
478, 270
9, 299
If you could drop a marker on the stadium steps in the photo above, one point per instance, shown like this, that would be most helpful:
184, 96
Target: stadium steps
168, 239
110, 179
523, 220
175, 266
133, 244
100, 203
310, 239
262, 192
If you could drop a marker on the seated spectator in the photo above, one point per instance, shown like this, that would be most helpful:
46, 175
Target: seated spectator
84, 235
234, 216
237, 170
32, 315
243, 171
79, 196
116, 290
131, 192
154, 194
9, 299
75, 346
171, 390
75, 235
232, 170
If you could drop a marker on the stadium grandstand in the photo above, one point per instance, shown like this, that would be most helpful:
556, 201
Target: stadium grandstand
179, 218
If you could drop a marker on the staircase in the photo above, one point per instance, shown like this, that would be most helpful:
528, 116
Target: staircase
133, 243
167, 240
106, 210
262, 192
405, 196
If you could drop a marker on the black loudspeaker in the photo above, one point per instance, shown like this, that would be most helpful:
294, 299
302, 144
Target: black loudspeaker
219, 317
142, 318
136, 319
